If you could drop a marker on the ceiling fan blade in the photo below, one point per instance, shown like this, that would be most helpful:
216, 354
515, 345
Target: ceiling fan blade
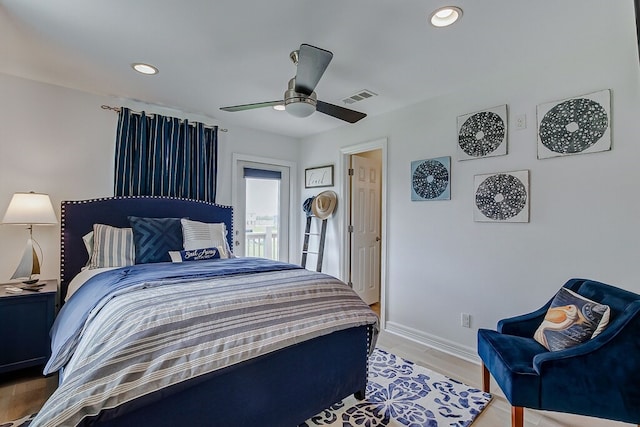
341, 113
312, 61
251, 106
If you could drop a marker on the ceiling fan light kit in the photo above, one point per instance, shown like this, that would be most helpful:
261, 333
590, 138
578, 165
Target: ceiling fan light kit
298, 104
299, 99
302, 108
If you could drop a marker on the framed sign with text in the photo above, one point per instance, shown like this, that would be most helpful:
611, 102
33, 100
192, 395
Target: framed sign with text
321, 176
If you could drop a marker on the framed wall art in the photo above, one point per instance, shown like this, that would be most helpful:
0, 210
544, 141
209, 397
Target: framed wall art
501, 197
483, 134
575, 125
321, 176
431, 179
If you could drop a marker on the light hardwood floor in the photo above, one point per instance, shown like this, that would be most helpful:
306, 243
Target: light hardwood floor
24, 393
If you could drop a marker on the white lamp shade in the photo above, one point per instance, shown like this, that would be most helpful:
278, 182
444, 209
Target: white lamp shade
30, 208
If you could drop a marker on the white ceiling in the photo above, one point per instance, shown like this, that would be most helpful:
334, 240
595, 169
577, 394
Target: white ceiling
215, 53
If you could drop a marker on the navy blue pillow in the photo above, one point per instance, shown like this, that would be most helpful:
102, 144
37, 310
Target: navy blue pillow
153, 238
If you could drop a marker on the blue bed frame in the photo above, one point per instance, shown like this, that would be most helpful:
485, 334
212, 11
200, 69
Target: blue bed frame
283, 388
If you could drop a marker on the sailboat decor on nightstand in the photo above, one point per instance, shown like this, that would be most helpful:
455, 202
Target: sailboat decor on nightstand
29, 209
29, 264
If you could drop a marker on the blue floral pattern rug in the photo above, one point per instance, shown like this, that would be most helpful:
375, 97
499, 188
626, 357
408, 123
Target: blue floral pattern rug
401, 393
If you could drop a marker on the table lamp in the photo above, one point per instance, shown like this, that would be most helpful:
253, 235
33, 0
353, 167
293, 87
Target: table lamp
29, 209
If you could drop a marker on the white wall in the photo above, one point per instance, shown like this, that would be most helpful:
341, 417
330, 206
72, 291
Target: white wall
585, 209
59, 141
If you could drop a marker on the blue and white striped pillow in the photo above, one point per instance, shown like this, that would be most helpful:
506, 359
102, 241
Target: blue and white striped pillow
112, 247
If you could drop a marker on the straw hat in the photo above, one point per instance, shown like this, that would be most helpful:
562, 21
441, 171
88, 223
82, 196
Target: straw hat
324, 204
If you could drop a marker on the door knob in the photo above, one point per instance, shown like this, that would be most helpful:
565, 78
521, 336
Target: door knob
378, 238
237, 243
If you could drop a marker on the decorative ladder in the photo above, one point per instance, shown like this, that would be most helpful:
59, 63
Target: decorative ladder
305, 247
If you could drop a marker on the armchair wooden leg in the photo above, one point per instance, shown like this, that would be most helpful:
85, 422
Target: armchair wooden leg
517, 416
486, 379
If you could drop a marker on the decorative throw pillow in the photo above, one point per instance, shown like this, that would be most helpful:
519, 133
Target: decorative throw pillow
571, 320
155, 237
112, 247
87, 239
197, 254
198, 235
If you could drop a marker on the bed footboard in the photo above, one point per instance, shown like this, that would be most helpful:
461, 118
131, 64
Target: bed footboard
283, 388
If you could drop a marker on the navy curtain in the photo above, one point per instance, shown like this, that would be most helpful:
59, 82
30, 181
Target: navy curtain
165, 156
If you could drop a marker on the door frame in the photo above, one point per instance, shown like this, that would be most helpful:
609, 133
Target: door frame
293, 195
345, 154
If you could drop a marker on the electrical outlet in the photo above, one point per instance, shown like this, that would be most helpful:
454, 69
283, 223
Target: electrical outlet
521, 121
465, 320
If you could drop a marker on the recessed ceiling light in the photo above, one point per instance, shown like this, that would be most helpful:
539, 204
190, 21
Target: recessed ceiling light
279, 107
144, 68
445, 16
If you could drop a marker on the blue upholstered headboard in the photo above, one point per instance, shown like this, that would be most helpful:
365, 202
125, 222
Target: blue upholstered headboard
78, 217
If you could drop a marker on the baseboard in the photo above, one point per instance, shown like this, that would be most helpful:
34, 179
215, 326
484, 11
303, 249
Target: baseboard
466, 353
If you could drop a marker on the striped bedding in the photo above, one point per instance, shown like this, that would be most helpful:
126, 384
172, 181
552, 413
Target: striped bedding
152, 337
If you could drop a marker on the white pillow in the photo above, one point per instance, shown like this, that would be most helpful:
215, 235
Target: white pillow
87, 239
88, 242
112, 247
200, 235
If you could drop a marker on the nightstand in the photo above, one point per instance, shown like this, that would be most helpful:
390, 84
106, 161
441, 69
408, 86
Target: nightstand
25, 321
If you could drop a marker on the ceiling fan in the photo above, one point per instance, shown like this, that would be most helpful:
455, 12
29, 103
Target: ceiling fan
300, 100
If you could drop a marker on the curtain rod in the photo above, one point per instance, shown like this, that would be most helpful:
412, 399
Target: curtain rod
117, 110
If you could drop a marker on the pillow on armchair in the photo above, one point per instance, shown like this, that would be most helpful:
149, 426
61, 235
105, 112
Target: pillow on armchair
571, 320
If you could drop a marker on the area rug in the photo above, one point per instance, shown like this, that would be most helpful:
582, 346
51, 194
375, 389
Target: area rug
401, 393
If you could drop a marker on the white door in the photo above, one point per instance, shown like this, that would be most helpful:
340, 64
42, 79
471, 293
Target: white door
365, 219
262, 211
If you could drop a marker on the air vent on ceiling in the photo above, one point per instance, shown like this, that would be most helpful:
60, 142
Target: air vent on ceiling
359, 96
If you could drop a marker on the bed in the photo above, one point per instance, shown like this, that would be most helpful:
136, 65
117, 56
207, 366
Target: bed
238, 378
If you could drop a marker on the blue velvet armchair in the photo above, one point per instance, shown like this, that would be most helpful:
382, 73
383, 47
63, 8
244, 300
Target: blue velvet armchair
599, 378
